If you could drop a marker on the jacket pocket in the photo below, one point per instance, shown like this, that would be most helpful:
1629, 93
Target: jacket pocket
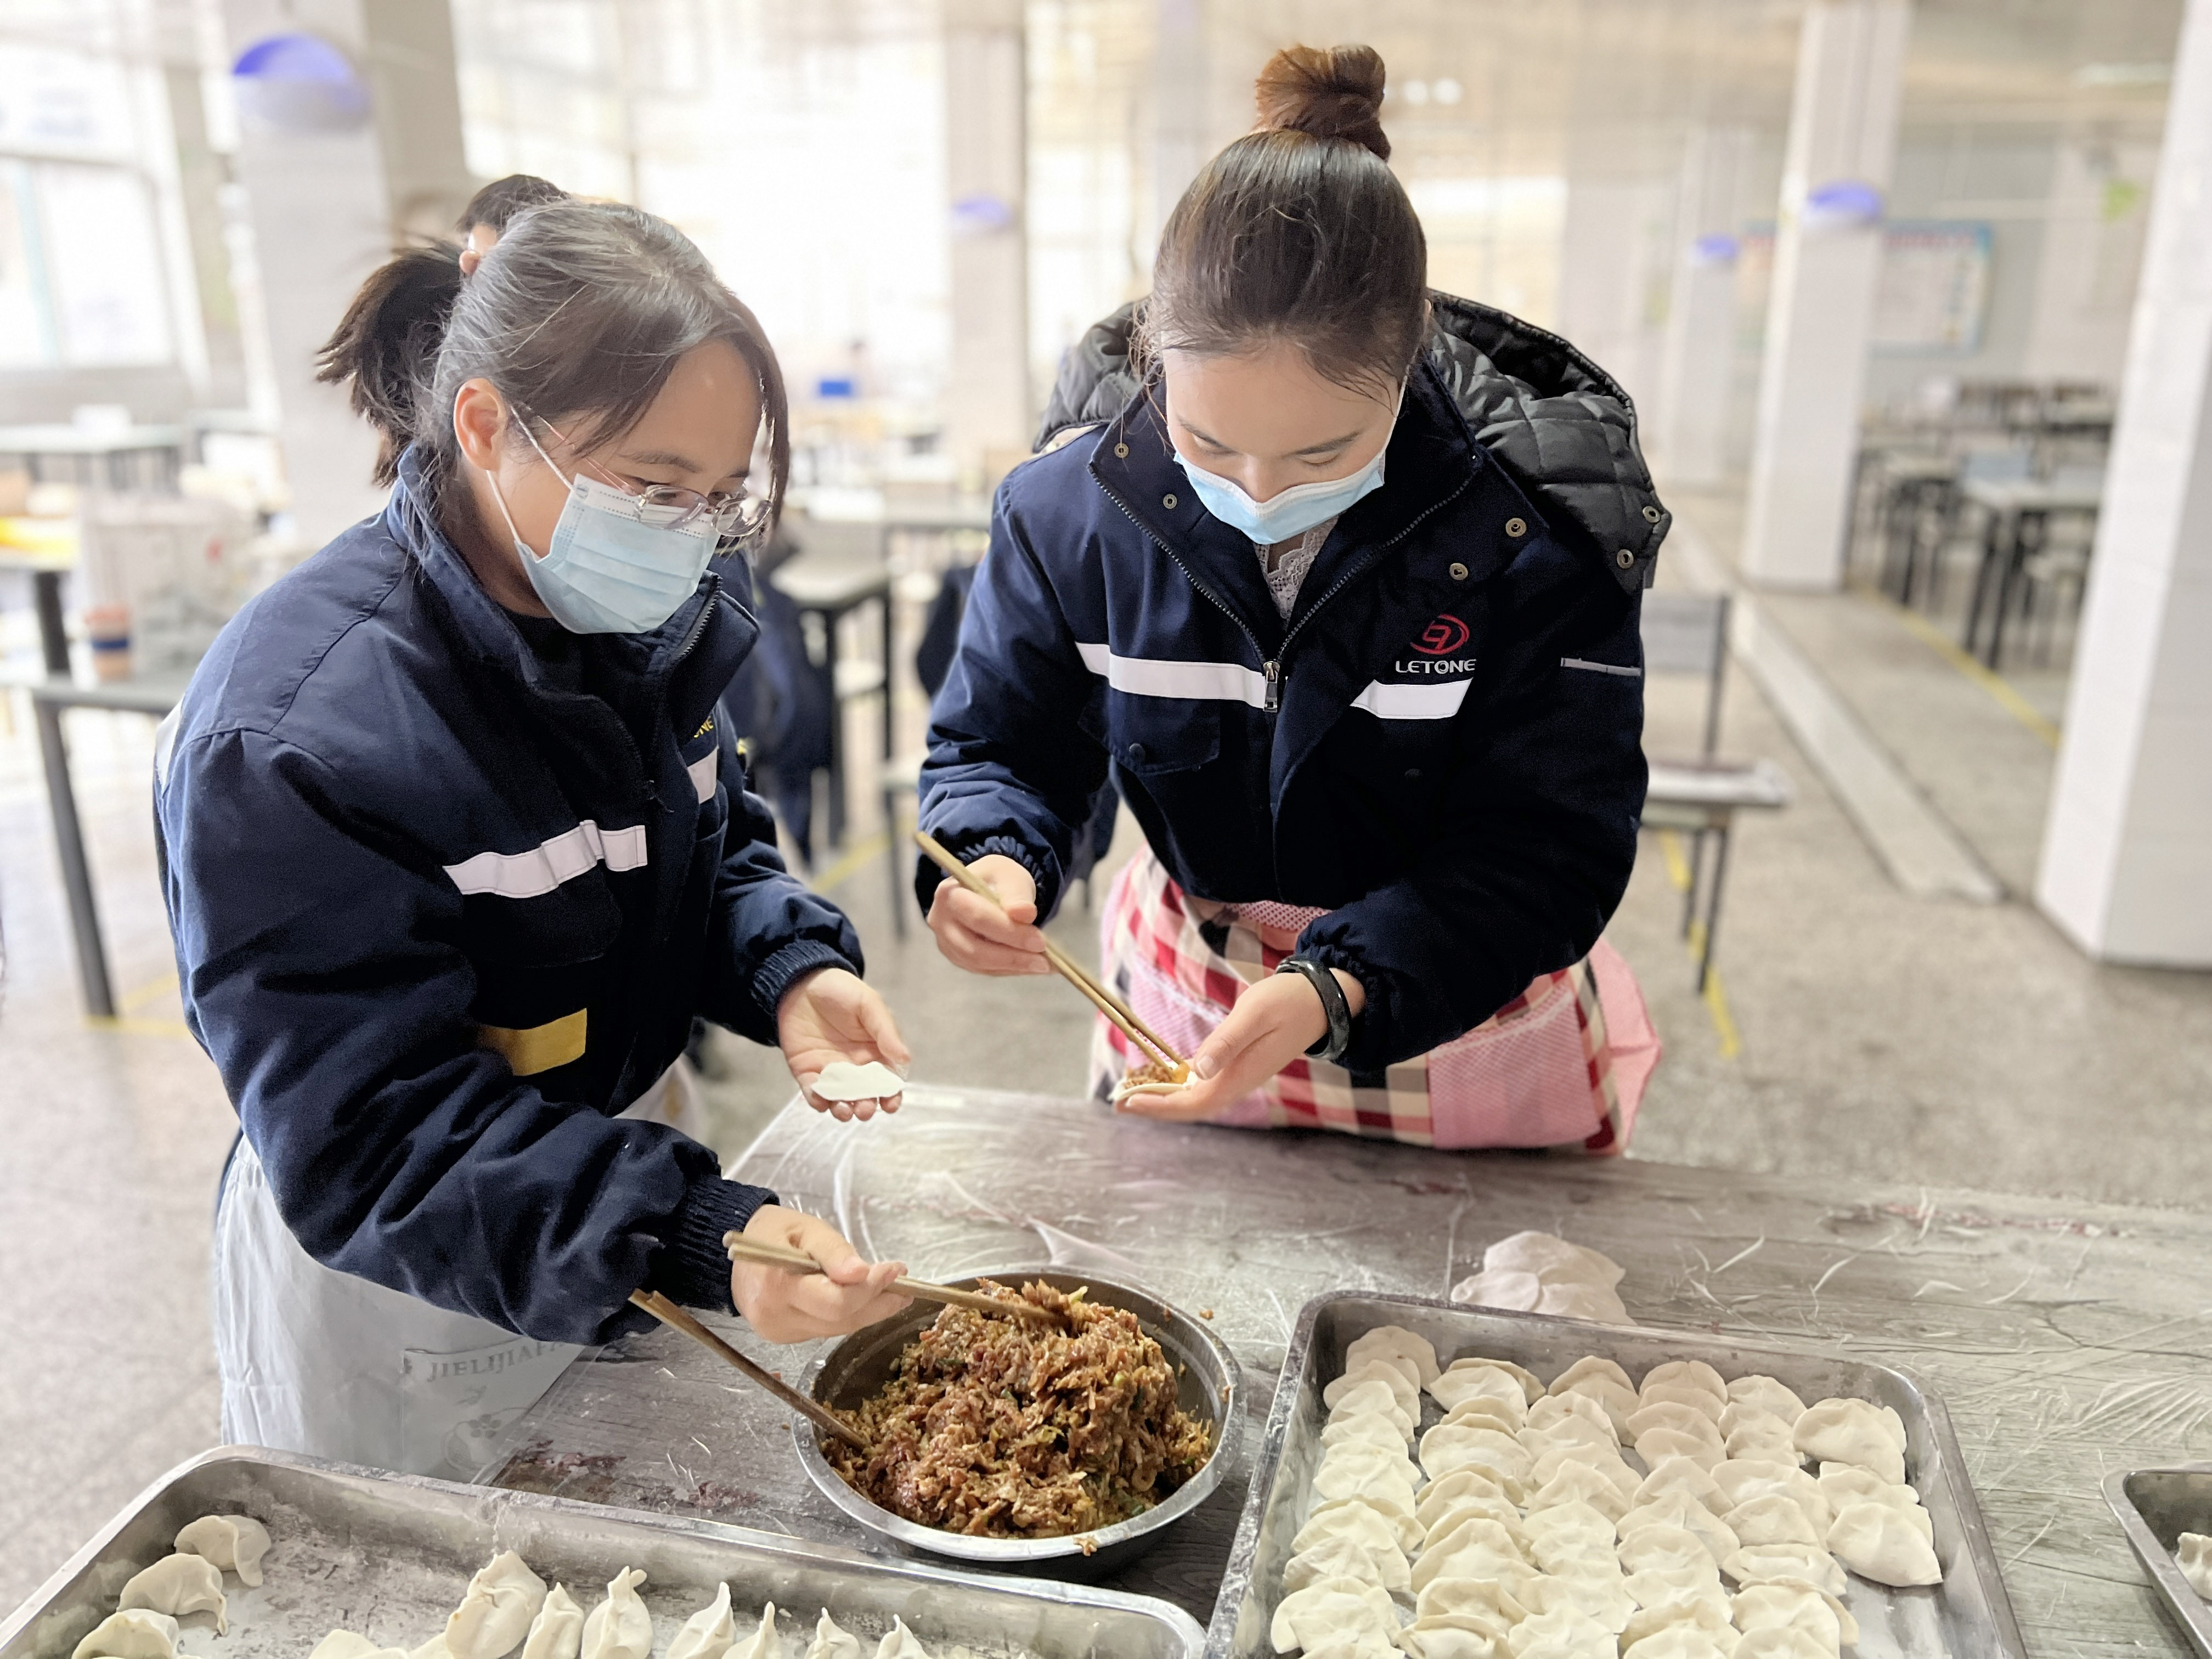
1152, 736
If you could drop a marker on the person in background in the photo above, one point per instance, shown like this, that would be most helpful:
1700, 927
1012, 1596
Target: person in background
492, 208
456, 843
1338, 580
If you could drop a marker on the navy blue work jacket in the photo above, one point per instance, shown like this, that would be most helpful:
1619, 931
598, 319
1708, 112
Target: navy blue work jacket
439, 918
1442, 742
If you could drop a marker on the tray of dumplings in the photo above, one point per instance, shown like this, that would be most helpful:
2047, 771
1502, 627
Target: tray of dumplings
250, 1554
1448, 1482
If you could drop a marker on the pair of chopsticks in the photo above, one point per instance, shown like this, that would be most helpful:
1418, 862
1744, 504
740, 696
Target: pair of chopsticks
676, 1319
742, 1248
1148, 1041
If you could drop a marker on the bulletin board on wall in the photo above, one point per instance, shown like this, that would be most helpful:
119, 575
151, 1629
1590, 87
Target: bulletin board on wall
1934, 292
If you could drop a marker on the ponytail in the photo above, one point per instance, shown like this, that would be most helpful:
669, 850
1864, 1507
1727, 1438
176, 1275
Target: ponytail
387, 346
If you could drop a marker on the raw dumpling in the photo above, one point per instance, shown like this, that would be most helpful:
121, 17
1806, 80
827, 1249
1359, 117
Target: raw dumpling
1473, 1537
1687, 1373
1360, 1468
1656, 1587
1683, 1393
1662, 1412
2192, 1553
1617, 1400
1592, 1301
1476, 1600
1783, 1642
1846, 1483
1535, 1273
1553, 1408
1663, 1548
1598, 1591
765, 1644
1741, 1480
135, 1633
1680, 1642
1370, 1527
1562, 1633
1449, 1489
1553, 1260
832, 1641
351, 1644
1531, 1389
1771, 1518
1604, 1459
1484, 1412
1373, 1396
1762, 1438
1576, 1520
1589, 1365
1680, 1509
1766, 1394
842, 1080
1788, 1607
1683, 1474
1655, 1446
1447, 1636
1364, 1425
1396, 1340
1396, 1513
1696, 1613
1403, 1388
1846, 1431
1580, 1483
558, 1631
1875, 1541
495, 1614
1762, 1563
1345, 1557
233, 1541
707, 1633
1464, 1382
620, 1627
1475, 1508
1334, 1609
1450, 1446
177, 1585
1571, 1429
901, 1644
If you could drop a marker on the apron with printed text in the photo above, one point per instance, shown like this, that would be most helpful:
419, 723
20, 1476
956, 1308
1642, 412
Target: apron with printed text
1563, 1065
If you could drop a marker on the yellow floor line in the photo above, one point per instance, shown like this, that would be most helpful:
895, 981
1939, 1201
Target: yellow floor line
132, 1001
162, 1028
1999, 688
856, 858
1717, 1002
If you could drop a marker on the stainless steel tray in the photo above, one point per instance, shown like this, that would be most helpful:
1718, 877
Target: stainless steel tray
2154, 1507
1212, 1390
389, 1555
1965, 1617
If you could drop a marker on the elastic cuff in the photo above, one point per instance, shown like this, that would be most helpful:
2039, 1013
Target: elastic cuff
1370, 1047
775, 977
1043, 868
692, 1270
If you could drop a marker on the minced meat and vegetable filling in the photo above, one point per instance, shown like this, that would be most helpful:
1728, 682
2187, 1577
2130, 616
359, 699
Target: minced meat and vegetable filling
1009, 1428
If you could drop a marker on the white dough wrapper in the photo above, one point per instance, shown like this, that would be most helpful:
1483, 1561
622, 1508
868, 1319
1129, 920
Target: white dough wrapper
765, 1644
1562, 1633
558, 1631
1553, 1260
1448, 1637
1875, 1540
1345, 1557
620, 1627
352, 1645
1847, 1431
2192, 1553
178, 1585
134, 1633
496, 1613
233, 1541
1395, 1341
707, 1633
1395, 1376
832, 1640
842, 1080
901, 1644
1334, 1609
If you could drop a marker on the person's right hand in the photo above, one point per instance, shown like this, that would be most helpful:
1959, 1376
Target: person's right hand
982, 937
783, 1306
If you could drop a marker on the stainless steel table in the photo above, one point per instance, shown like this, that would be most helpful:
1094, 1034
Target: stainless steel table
2066, 1340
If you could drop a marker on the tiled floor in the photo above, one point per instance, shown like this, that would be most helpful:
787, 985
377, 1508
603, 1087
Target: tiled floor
1881, 1038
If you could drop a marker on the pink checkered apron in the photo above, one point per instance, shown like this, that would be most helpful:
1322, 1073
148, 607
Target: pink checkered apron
1562, 1066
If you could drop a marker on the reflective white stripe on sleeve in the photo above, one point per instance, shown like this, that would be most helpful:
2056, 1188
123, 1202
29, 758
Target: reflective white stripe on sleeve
703, 772
1155, 677
546, 866
1439, 701
1601, 668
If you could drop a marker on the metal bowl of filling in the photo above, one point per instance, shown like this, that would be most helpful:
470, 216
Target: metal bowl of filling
1207, 1386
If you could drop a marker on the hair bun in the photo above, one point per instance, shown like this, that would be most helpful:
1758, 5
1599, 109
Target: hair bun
1333, 92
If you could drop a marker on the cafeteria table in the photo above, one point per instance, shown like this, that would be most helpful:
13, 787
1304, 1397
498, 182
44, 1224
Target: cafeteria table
2066, 1340
2017, 515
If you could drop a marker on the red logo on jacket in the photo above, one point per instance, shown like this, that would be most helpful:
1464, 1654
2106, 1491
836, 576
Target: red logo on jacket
1442, 637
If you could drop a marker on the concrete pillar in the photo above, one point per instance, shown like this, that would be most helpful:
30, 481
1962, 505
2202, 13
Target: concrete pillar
1183, 140
987, 410
1687, 427
1613, 238
331, 174
1827, 265
2126, 867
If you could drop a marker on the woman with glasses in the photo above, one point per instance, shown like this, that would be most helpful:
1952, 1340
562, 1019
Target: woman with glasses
457, 842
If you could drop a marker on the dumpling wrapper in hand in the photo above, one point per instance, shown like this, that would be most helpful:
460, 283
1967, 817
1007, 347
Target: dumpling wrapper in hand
620, 1627
496, 1613
765, 1644
233, 1541
901, 1644
1875, 1541
135, 1633
1333, 1610
351, 1644
832, 1641
842, 1080
2192, 1553
558, 1631
707, 1633
177, 1585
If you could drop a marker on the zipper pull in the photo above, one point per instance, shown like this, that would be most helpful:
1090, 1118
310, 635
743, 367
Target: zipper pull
1274, 672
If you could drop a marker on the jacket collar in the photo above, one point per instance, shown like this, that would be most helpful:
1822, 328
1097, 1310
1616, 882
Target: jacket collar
1428, 461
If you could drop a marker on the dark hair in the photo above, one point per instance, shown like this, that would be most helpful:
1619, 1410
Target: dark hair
1299, 231
498, 203
578, 314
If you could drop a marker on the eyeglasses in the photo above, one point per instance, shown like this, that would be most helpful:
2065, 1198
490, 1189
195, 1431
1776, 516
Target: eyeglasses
740, 518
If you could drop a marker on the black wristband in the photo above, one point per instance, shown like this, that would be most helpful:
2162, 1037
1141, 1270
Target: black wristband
1338, 1037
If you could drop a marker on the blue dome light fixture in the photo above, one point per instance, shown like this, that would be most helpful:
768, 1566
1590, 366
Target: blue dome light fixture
299, 83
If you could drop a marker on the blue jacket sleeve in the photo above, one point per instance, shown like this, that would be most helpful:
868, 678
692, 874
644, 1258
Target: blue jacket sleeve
398, 1150
1009, 771
1548, 787
768, 929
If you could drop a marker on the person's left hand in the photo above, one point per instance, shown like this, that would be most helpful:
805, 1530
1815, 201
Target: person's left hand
831, 1015
1273, 1024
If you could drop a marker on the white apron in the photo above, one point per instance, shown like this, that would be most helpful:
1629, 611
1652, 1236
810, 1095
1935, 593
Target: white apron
317, 1361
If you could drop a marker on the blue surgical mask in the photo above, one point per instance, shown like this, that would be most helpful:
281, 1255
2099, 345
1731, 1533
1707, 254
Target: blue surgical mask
607, 570
1289, 513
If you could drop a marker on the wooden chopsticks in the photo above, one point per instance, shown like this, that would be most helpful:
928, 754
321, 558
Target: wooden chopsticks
1113, 1007
815, 1412
742, 1248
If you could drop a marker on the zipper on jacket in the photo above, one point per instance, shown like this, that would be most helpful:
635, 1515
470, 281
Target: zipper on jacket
1274, 673
690, 643
1272, 669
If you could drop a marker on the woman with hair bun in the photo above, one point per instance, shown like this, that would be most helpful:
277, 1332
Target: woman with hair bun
456, 843
1336, 579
